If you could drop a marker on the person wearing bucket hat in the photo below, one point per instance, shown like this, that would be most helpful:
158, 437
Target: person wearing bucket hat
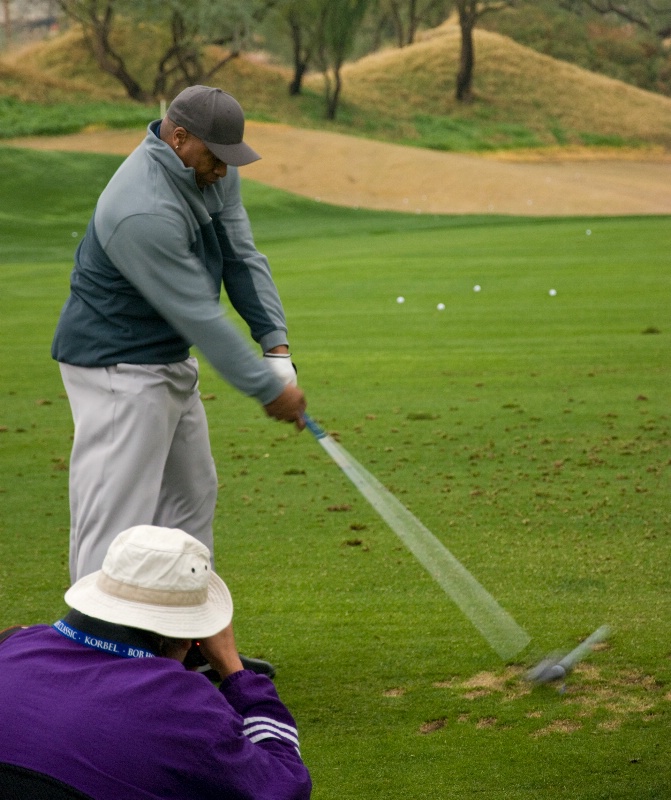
168, 232
102, 701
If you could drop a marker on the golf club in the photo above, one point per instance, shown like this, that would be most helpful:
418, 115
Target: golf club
498, 628
555, 668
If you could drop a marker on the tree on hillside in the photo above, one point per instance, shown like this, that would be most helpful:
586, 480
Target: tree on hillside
189, 26
400, 19
339, 23
407, 16
302, 20
653, 16
97, 21
7, 21
470, 12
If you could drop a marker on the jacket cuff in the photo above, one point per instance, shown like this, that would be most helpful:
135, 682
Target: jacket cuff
273, 339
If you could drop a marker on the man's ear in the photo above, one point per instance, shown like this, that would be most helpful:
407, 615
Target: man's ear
179, 137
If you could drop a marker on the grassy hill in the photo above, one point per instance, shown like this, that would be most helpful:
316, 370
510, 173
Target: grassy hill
520, 95
523, 98
31, 84
607, 44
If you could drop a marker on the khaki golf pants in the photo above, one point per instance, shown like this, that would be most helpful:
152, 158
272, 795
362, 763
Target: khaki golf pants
141, 456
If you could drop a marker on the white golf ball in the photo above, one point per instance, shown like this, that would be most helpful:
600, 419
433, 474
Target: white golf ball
441, 306
552, 292
588, 232
400, 299
477, 287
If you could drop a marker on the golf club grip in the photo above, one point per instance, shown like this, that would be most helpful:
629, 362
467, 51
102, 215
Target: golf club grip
311, 425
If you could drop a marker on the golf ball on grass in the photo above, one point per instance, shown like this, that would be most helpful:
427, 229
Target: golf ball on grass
441, 306
400, 299
552, 292
477, 287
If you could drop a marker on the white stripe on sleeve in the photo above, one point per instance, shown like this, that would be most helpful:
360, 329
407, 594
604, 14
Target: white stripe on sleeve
257, 728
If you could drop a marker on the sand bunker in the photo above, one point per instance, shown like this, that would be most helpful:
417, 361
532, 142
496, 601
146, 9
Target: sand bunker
349, 171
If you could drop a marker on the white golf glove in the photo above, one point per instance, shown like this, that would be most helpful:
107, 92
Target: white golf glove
282, 366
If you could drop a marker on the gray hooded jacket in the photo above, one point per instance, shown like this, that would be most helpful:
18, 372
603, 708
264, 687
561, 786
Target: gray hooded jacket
148, 273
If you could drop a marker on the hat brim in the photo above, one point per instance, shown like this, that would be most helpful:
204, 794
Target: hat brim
237, 155
179, 622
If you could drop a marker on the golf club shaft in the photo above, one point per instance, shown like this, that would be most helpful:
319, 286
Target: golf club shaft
584, 648
498, 628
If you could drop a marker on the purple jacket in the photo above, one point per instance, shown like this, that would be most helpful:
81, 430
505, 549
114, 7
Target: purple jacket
145, 728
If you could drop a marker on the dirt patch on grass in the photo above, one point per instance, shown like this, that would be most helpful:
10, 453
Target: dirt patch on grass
558, 726
397, 691
349, 171
432, 726
589, 700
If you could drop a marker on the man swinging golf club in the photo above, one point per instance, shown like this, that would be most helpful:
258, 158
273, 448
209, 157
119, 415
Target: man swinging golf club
169, 231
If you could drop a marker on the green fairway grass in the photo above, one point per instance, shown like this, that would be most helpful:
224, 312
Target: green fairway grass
30, 119
529, 432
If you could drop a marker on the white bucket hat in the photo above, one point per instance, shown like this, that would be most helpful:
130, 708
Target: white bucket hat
156, 579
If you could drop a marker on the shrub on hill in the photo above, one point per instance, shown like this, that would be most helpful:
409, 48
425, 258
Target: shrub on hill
594, 42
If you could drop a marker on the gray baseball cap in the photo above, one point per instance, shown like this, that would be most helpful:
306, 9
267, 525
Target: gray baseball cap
217, 118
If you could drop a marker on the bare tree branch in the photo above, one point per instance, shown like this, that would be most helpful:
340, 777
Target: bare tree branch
654, 17
191, 24
408, 15
96, 19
